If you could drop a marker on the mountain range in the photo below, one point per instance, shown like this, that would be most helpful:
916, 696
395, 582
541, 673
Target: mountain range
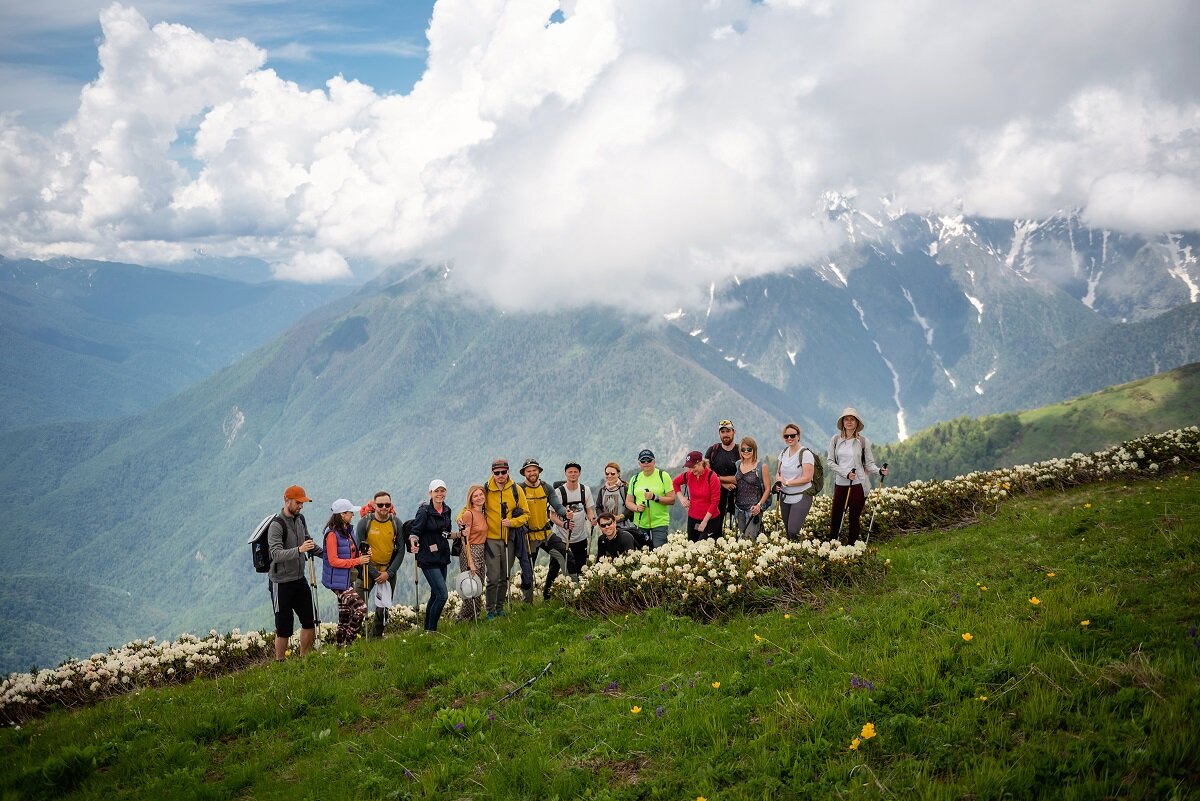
917, 320
86, 340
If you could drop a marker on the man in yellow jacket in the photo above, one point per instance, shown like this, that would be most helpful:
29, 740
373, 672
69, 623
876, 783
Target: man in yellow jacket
507, 512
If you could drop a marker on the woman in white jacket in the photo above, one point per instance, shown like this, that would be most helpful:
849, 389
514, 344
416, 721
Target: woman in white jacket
851, 461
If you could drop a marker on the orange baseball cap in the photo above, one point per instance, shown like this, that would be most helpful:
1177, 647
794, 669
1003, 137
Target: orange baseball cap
296, 493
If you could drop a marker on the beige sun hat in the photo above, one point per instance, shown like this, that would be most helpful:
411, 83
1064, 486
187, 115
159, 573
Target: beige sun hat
850, 411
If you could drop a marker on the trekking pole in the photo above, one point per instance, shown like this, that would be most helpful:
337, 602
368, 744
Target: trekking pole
846, 508
874, 506
416, 592
312, 585
504, 538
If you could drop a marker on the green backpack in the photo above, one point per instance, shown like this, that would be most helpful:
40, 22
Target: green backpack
818, 476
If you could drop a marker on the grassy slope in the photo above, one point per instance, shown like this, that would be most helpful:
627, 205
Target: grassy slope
1103, 711
1085, 424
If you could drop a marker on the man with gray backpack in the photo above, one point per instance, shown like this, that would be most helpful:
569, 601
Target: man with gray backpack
289, 545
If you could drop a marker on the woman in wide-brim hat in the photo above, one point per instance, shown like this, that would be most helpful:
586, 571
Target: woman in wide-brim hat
850, 459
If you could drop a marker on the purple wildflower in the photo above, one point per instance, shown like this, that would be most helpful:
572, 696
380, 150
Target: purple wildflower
408, 774
770, 661
460, 726
491, 716
587, 637
612, 688
659, 712
662, 688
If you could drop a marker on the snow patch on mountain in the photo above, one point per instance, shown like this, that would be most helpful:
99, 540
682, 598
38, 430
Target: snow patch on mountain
1021, 232
675, 315
834, 269
1181, 256
862, 318
901, 428
232, 425
921, 321
792, 355
978, 304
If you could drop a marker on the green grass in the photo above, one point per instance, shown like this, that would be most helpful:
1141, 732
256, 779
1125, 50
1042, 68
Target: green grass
1107, 710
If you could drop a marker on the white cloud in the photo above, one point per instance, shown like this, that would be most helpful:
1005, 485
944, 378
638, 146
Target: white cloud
313, 268
632, 153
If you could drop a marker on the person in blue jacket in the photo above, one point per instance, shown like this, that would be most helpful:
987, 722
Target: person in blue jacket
429, 543
342, 563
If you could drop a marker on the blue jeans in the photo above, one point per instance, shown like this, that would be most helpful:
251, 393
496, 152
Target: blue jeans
657, 535
436, 578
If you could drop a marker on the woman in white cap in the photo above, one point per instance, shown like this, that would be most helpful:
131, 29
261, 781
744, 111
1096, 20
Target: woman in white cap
851, 461
432, 549
342, 561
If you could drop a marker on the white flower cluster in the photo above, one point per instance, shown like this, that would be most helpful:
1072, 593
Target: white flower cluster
141, 663
710, 576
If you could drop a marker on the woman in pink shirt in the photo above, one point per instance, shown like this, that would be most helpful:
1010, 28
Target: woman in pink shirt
699, 490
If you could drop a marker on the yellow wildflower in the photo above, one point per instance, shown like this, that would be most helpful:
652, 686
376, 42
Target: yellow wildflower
1034, 600
868, 731
983, 698
1085, 623
786, 616
1050, 574
968, 636
716, 684
1087, 506
637, 710
855, 743
984, 588
757, 638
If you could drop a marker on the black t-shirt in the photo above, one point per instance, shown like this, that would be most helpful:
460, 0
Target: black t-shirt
724, 463
618, 545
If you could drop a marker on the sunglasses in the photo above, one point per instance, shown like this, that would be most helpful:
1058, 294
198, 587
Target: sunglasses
609, 473
499, 472
645, 461
791, 436
383, 506
609, 524
746, 450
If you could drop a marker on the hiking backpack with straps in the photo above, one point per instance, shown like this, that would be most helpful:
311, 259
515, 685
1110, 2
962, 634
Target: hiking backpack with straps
818, 476
260, 551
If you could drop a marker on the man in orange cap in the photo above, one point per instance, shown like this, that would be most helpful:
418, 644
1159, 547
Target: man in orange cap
289, 544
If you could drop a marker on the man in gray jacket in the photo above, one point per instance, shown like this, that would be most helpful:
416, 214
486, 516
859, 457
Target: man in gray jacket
289, 544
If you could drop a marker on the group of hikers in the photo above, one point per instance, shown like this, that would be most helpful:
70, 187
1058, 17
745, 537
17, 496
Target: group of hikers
504, 521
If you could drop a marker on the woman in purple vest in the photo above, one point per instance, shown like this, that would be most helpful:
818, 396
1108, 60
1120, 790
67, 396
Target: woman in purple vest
342, 562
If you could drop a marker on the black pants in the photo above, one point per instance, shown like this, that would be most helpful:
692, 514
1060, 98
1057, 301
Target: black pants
858, 499
577, 554
712, 529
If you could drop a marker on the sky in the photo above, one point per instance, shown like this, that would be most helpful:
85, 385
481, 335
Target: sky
625, 151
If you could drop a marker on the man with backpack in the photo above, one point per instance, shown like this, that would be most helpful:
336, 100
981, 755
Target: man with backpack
575, 525
289, 545
650, 495
544, 512
507, 512
381, 536
723, 458
613, 541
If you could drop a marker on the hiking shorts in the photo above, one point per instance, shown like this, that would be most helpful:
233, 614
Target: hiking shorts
288, 598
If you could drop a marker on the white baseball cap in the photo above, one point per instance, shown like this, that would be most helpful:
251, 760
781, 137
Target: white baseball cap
437, 483
343, 505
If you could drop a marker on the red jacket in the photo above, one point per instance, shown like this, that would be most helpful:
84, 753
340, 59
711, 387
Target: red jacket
703, 490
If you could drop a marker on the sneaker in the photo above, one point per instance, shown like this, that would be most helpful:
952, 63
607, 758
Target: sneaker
490, 616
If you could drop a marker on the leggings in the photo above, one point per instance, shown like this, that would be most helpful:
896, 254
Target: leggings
352, 610
858, 499
794, 515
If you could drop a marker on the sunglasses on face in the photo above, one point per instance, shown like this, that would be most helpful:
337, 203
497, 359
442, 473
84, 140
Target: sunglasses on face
499, 472
383, 506
609, 473
746, 450
645, 461
790, 436
607, 525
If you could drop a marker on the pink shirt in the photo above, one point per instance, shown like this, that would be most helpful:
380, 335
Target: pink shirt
703, 490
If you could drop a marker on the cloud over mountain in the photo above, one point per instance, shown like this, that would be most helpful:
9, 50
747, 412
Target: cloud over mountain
617, 149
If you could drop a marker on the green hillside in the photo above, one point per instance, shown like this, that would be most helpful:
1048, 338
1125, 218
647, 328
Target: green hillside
1085, 424
1091, 692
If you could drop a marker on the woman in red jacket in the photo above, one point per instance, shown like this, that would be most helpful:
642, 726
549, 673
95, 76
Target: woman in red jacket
699, 490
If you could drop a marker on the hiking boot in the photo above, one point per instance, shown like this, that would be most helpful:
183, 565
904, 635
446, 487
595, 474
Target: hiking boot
527, 594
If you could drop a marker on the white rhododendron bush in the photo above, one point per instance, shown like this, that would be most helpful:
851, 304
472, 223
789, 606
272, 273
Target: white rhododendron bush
710, 578
920, 505
141, 663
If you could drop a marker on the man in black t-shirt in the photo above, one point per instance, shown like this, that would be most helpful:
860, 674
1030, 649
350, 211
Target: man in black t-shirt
723, 459
612, 541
